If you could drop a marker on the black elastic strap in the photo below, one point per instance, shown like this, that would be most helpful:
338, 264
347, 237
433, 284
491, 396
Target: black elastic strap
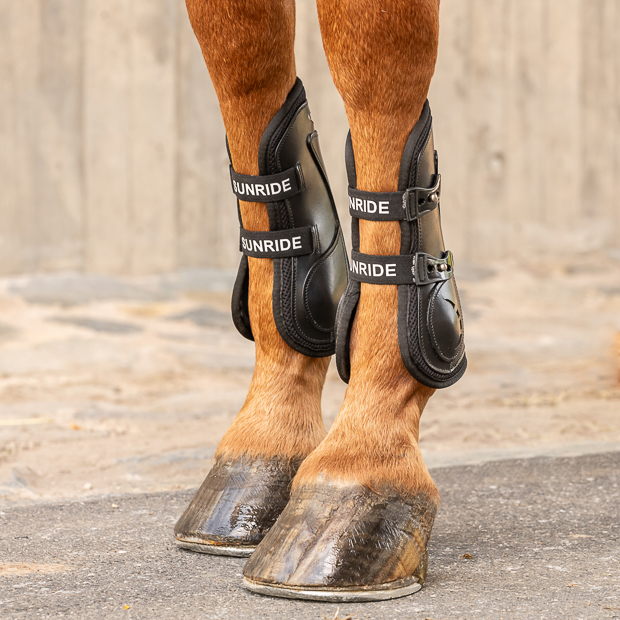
419, 268
393, 206
268, 188
277, 243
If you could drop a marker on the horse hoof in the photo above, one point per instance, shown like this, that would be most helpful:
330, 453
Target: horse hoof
344, 543
237, 504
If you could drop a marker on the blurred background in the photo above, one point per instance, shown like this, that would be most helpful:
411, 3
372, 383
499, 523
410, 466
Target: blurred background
112, 155
119, 366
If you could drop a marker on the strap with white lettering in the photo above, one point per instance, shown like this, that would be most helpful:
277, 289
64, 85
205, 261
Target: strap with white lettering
393, 206
419, 268
267, 188
277, 243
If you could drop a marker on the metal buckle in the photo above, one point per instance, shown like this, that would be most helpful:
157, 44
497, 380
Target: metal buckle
418, 201
428, 269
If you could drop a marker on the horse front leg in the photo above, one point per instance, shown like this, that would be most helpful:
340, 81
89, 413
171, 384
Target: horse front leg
248, 49
363, 503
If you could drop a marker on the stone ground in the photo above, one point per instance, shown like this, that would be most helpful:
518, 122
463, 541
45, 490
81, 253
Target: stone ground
543, 535
125, 386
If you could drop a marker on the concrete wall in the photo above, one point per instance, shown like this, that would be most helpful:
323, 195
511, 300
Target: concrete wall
112, 151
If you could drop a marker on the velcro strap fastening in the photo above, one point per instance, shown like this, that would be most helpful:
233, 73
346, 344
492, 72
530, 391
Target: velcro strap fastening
393, 206
419, 268
277, 243
268, 188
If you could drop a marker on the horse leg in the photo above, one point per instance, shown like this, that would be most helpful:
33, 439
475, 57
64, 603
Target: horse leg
248, 50
363, 503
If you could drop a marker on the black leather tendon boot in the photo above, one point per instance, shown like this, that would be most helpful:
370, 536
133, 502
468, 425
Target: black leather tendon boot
430, 319
338, 540
240, 500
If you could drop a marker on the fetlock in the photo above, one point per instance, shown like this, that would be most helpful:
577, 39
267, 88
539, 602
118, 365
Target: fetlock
374, 441
281, 417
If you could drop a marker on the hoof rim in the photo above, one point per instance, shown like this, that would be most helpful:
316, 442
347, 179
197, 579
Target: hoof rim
213, 549
379, 592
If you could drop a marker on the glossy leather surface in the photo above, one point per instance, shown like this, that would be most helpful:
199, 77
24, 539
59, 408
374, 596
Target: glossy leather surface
431, 332
345, 536
306, 289
238, 502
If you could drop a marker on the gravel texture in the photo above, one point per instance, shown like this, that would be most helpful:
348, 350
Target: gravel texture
533, 538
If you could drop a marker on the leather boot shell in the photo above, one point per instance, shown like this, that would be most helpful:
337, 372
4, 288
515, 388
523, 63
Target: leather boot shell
306, 289
430, 318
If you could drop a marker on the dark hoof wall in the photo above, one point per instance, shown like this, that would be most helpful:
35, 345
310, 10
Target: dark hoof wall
237, 504
344, 543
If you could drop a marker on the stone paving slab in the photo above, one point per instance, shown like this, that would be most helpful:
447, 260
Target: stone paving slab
543, 535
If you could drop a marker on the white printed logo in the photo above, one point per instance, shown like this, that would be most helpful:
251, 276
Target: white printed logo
261, 189
267, 245
373, 270
369, 206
